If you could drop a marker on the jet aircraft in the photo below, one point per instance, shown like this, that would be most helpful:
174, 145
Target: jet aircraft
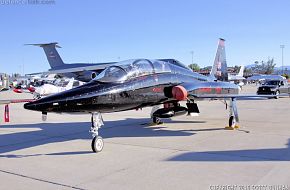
239, 78
138, 83
48, 89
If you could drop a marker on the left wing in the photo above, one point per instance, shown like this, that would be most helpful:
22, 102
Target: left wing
15, 101
6, 107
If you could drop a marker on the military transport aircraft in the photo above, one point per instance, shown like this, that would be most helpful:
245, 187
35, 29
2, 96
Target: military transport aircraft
137, 83
80, 71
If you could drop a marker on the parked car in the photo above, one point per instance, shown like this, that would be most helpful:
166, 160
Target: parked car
275, 87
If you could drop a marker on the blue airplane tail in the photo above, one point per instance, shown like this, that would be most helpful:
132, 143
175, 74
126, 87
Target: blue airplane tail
219, 69
51, 53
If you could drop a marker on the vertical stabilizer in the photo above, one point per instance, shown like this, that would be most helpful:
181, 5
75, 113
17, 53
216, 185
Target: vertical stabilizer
241, 71
51, 53
70, 84
219, 69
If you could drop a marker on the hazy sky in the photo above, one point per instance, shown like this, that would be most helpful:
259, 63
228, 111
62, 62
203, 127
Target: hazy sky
108, 30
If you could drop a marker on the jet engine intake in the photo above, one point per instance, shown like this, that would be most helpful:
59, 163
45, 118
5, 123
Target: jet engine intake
87, 76
93, 75
179, 93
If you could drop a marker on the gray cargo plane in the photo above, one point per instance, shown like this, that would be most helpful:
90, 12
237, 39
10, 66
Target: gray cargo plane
80, 71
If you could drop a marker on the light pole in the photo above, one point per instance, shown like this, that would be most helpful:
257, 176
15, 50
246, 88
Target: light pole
282, 48
192, 52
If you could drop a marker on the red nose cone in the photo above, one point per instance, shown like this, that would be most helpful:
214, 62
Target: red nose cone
17, 90
179, 93
31, 89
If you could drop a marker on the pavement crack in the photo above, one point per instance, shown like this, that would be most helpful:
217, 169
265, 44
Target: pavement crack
41, 180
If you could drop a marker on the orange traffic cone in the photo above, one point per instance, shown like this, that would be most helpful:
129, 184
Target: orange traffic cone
6, 113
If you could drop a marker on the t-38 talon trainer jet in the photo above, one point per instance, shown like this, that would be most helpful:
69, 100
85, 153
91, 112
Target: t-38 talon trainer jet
138, 83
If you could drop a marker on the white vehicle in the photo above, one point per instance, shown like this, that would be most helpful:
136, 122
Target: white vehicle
48, 89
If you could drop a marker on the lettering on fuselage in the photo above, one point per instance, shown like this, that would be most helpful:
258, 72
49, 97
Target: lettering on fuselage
210, 90
157, 89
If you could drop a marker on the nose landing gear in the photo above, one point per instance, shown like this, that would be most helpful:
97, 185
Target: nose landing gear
97, 142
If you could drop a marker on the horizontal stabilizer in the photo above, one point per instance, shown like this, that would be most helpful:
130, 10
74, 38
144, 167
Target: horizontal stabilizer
44, 44
51, 53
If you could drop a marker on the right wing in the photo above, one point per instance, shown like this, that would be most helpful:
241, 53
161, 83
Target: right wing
79, 69
220, 90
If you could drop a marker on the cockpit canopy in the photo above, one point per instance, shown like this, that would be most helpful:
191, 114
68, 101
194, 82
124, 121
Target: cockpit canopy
129, 69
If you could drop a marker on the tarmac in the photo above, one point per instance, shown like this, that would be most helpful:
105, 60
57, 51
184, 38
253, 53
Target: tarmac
183, 153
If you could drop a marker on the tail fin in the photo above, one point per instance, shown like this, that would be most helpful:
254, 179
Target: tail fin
70, 84
241, 71
219, 69
51, 53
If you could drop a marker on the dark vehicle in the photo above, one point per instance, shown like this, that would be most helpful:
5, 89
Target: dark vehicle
274, 87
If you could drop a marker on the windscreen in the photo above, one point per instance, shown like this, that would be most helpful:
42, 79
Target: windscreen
129, 69
272, 82
112, 74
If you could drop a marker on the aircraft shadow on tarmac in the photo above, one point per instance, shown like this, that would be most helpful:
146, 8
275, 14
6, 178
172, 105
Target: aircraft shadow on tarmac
47, 133
272, 154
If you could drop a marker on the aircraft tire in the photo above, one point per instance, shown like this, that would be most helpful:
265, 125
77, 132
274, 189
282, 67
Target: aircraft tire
277, 94
97, 144
232, 121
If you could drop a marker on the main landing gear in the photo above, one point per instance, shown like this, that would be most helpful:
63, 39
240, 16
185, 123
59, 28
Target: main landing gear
97, 142
155, 120
233, 115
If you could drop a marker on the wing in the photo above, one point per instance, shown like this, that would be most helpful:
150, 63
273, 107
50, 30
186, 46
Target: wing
237, 96
78, 69
96, 67
15, 101
219, 90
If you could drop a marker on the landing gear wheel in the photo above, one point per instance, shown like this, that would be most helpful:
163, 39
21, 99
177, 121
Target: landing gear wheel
157, 121
232, 122
97, 144
36, 96
277, 94
44, 116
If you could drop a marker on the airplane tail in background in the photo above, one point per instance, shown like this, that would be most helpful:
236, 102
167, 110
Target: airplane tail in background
51, 53
70, 84
241, 71
219, 69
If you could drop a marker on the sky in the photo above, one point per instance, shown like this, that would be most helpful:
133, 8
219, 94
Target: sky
91, 31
